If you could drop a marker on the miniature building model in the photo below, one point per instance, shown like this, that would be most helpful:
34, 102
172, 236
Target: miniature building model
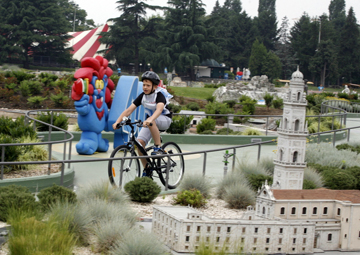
290, 161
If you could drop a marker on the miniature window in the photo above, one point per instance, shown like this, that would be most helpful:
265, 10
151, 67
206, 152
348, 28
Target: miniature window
187, 238
267, 240
295, 157
280, 240
279, 249
282, 210
315, 210
197, 239
281, 154
294, 240
304, 210
345, 236
281, 230
338, 211
293, 210
228, 229
218, 239
268, 230
256, 230
243, 230
347, 220
329, 237
325, 211
255, 240
208, 229
297, 124
227, 239
207, 239
293, 249
243, 239
198, 228
305, 230
264, 210
186, 247
218, 229
295, 231
188, 228
298, 96
304, 240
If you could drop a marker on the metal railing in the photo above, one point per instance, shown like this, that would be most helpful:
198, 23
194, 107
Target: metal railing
326, 108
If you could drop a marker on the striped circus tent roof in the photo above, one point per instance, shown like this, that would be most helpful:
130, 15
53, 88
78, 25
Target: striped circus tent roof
86, 43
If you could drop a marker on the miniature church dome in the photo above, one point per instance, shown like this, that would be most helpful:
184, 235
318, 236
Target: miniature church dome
297, 75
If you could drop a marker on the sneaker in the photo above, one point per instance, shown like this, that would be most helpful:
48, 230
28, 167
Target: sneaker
157, 151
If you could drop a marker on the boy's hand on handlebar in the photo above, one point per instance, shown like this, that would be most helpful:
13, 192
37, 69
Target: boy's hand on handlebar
147, 123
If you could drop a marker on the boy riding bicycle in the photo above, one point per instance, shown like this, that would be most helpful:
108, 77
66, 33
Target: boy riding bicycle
158, 117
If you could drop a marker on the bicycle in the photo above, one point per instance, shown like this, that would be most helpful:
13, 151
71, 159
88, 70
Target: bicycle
129, 168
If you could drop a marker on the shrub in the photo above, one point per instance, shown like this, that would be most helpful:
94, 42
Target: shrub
218, 108
343, 95
225, 131
251, 131
35, 87
206, 132
130, 244
339, 179
16, 128
249, 106
257, 180
79, 221
230, 103
59, 120
231, 75
62, 84
308, 184
206, 124
268, 165
36, 101
24, 89
239, 196
278, 103
6, 94
210, 99
232, 178
21, 75
346, 146
311, 175
244, 98
103, 191
17, 197
11, 152
178, 126
193, 106
142, 189
241, 119
55, 194
16, 100
47, 78
198, 182
11, 86
60, 100
174, 108
32, 236
268, 99
191, 197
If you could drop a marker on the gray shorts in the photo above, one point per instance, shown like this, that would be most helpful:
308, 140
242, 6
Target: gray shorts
162, 122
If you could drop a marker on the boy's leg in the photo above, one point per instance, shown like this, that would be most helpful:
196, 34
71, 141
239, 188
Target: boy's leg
143, 160
155, 133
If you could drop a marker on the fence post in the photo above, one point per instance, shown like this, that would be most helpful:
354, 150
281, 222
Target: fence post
70, 144
318, 124
185, 123
259, 151
267, 124
334, 138
49, 140
204, 163
167, 173
121, 172
62, 174
348, 135
233, 160
2, 160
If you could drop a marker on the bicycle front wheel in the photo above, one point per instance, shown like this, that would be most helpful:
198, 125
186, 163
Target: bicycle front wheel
177, 165
130, 168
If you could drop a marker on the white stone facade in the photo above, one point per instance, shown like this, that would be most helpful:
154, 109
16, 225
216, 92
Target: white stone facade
290, 160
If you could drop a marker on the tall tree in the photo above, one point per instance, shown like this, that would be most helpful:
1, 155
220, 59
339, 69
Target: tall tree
284, 50
304, 42
349, 52
128, 32
76, 16
267, 23
36, 27
258, 58
337, 13
187, 41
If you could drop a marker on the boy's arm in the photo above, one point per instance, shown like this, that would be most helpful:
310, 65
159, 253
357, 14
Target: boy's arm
125, 113
159, 108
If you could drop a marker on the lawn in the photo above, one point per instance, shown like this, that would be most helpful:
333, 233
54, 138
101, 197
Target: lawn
198, 93
314, 88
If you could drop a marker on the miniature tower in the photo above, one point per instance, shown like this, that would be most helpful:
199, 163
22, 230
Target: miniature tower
290, 160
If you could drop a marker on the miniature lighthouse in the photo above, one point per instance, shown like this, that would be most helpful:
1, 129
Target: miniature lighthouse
290, 160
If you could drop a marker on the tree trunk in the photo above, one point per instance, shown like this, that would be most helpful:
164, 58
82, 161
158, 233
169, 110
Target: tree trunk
323, 73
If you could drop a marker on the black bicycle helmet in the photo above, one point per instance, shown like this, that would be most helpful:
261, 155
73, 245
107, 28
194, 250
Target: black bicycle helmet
152, 76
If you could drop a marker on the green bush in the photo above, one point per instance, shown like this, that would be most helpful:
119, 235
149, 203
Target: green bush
24, 89
35, 87
174, 108
36, 101
230, 103
308, 184
249, 106
55, 194
47, 78
12, 153
343, 95
206, 132
60, 99
210, 99
346, 146
11, 86
178, 126
257, 180
231, 75
278, 103
218, 108
62, 84
268, 99
59, 120
244, 98
225, 131
206, 124
142, 189
198, 182
241, 120
21, 75
17, 197
191, 197
339, 179
193, 106
232, 178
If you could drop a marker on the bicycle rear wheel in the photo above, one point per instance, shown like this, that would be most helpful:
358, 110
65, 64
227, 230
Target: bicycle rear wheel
130, 170
177, 165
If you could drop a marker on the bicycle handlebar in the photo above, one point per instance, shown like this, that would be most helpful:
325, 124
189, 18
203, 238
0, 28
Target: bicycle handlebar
128, 122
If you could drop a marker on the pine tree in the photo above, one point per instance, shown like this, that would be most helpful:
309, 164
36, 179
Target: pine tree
129, 31
349, 47
258, 58
35, 27
267, 23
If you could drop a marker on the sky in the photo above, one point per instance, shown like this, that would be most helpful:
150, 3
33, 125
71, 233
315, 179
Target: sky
101, 11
